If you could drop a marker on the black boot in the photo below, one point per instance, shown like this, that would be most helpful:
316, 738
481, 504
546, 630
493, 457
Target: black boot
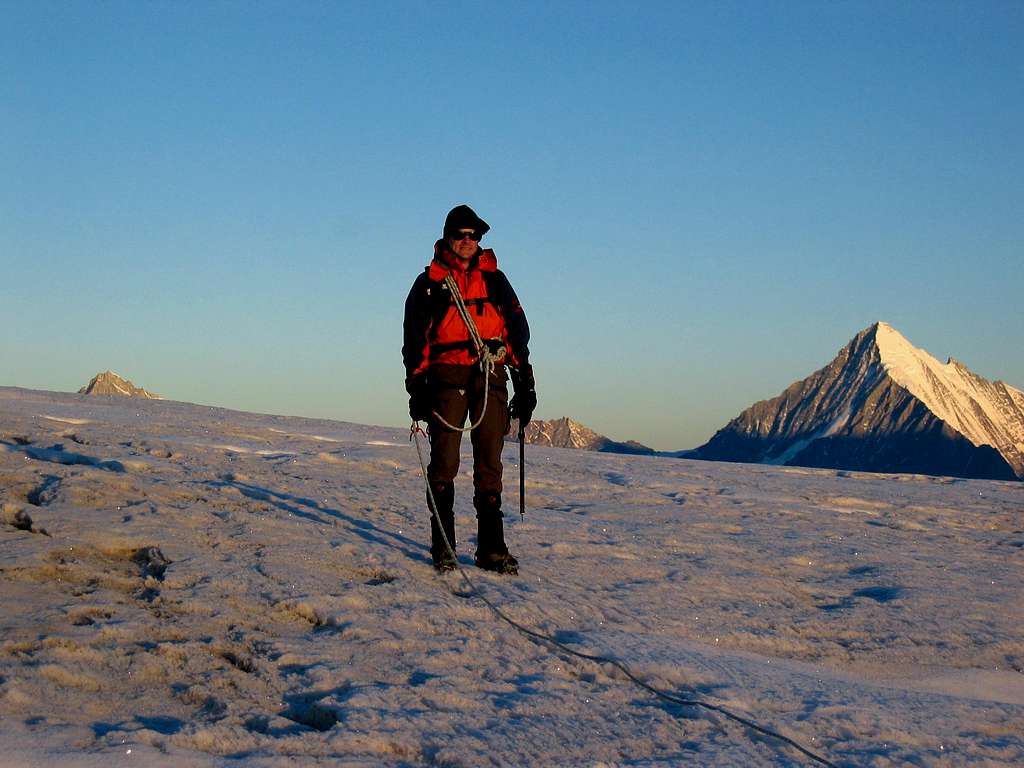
444, 495
491, 552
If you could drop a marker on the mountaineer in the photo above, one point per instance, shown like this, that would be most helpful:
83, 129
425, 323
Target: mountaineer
463, 326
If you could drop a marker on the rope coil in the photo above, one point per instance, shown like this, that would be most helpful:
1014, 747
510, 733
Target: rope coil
488, 359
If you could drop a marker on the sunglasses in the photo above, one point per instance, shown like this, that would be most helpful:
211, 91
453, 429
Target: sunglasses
463, 235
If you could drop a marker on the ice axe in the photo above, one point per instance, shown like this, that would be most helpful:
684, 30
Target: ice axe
522, 471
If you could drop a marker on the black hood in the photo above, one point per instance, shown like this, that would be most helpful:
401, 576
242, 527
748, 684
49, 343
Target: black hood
463, 217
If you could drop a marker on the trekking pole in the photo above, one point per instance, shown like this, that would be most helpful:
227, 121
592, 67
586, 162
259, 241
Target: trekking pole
522, 472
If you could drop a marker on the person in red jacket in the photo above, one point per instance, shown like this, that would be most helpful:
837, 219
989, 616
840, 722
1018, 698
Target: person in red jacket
460, 300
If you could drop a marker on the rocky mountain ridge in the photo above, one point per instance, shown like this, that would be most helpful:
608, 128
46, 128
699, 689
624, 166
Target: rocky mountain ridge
884, 405
109, 383
567, 433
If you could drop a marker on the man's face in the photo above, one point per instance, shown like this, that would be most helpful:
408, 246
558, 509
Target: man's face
464, 244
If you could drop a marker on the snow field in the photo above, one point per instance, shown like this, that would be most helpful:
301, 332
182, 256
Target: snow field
214, 586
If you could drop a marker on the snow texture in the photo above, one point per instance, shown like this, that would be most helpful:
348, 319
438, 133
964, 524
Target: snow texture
191, 586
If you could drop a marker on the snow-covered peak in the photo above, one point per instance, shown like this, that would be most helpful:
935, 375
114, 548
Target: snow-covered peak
884, 405
909, 366
980, 410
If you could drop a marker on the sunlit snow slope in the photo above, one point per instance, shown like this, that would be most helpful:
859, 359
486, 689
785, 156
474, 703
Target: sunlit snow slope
985, 412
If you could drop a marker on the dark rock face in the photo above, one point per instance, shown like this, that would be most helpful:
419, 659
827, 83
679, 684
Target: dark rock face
853, 415
631, 447
920, 454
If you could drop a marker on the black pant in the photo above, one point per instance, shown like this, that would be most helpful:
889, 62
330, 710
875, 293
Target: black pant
458, 391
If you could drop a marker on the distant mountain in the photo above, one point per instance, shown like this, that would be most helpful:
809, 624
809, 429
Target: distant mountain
883, 405
109, 383
566, 433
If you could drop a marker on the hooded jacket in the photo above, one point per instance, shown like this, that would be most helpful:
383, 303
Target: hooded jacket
434, 331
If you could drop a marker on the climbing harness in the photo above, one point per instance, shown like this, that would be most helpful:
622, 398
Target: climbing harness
483, 349
414, 432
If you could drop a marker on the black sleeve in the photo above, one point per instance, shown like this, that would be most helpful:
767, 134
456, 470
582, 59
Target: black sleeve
417, 324
515, 318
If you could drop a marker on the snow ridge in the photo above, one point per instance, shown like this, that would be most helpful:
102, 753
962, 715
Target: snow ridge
985, 412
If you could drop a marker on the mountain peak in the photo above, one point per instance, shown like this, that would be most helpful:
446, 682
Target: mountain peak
877, 337
966, 402
884, 405
569, 433
889, 339
110, 383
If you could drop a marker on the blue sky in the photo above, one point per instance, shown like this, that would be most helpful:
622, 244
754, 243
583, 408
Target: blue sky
698, 203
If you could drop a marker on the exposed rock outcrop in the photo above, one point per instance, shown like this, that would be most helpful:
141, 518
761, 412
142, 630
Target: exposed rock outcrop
109, 383
566, 433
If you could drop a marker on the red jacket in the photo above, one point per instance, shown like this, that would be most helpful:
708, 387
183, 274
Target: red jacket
434, 330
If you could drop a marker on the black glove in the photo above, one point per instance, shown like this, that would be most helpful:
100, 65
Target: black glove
420, 405
524, 401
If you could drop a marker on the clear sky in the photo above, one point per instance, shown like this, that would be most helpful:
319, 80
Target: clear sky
698, 203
